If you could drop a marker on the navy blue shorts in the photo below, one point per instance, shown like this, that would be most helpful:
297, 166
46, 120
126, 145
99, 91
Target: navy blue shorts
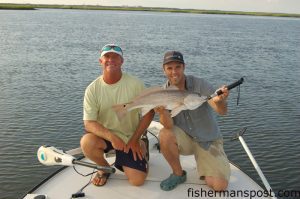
126, 159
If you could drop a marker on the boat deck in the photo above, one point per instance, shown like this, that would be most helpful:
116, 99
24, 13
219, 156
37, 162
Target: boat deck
67, 182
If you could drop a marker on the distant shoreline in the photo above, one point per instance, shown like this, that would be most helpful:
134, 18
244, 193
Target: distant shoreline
7, 6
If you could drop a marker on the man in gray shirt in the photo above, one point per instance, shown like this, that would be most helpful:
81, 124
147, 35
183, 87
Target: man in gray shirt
193, 132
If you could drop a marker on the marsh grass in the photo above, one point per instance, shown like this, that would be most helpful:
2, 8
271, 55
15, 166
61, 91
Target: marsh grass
16, 7
151, 9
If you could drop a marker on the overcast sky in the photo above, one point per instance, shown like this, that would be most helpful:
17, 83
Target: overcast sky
283, 6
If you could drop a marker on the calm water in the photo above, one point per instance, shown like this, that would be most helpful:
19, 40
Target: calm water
48, 57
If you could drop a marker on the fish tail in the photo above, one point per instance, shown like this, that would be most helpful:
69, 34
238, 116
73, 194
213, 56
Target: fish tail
120, 110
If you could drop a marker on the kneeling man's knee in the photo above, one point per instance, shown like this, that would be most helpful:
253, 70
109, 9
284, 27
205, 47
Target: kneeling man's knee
137, 181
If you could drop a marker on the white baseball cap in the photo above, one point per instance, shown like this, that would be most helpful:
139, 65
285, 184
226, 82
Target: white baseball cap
111, 48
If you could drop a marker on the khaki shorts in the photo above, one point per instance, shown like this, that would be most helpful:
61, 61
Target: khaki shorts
212, 162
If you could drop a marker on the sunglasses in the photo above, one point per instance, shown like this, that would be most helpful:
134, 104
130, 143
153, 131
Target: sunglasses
108, 48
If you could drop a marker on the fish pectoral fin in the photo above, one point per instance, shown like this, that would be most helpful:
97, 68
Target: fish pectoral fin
177, 110
146, 109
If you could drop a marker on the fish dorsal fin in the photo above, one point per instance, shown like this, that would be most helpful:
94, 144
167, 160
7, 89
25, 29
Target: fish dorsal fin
149, 90
155, 89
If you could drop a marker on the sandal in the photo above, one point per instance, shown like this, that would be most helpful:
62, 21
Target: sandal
101, 177
172, 181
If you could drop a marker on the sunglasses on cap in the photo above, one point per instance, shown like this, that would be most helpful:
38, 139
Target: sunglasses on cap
111, 47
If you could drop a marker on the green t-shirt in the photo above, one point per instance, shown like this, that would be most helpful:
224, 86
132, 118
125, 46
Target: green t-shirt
100, 97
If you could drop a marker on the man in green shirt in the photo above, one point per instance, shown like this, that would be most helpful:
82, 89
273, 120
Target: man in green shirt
104, 131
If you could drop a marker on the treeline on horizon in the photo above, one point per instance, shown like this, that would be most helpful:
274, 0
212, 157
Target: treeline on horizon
8, 6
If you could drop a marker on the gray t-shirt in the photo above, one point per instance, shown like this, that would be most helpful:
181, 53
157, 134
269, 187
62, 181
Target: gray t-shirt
200, 123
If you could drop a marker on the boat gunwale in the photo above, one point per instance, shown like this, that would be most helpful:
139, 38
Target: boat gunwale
48, 178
